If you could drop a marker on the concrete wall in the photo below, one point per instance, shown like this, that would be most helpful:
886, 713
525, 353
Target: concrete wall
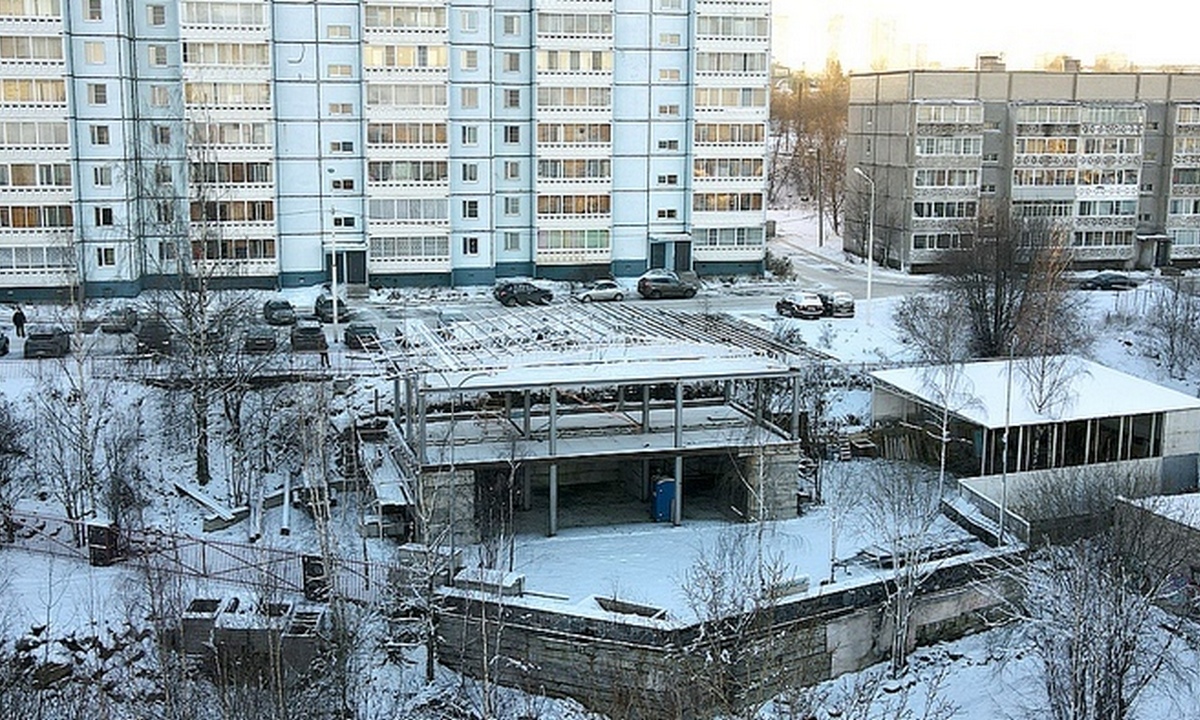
450, 495
631, 666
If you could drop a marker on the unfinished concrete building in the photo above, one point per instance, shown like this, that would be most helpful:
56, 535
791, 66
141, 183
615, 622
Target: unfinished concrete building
541, 418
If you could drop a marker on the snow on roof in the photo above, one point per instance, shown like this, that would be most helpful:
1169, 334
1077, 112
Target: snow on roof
1091, 390
1183, 509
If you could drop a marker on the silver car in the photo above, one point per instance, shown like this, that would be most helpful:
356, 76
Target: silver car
599, 291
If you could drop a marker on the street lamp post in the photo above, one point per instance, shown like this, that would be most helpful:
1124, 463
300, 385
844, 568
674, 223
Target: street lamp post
870, 238
820, 197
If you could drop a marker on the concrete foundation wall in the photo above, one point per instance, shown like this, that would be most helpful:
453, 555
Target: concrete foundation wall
630, 666
450, 495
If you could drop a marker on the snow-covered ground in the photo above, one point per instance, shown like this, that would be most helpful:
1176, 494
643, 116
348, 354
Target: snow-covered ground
646, 563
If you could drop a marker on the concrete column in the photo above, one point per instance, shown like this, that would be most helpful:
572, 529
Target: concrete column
677, 501
526, 488
553, 465
410, 384
645, 496
525, 419
553, 500
645, 409
758, 402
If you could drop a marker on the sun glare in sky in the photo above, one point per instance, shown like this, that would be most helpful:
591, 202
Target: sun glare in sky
950, 33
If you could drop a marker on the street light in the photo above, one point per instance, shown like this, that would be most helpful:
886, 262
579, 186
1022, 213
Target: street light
870, 238
820, 197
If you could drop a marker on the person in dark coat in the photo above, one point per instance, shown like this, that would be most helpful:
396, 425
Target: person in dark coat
19, 321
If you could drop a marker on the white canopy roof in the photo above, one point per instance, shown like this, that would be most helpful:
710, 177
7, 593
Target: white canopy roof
1087, 390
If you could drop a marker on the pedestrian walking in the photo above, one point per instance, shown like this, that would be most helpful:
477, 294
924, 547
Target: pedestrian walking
324, 356
19, 321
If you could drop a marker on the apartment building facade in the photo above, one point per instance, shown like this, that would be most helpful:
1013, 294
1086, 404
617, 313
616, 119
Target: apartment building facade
1111, 159
398, 143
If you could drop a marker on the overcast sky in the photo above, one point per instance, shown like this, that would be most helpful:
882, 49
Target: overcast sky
1150, 32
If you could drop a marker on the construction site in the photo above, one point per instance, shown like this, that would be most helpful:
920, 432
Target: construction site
553, 417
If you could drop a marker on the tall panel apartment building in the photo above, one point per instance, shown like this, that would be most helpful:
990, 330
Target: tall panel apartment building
401, 143
1112, 158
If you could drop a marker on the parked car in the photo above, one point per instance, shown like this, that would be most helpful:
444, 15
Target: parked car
600, 290
119, 320
308, 337
1108, 281
3, 344
805, 305
278, 311
665, 284
521, 293
837, 304
323, 309
259, 340
153, 337
361, 336
42, 341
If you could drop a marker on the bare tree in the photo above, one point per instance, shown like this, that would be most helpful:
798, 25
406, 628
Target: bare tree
900, 504
12, 455
1011, 284
1174, 320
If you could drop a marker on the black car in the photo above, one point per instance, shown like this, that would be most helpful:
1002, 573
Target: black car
43, 341
807, 305
279, 312
259, 340
1108, 281
665, 285
361, 336
307, 337
119, 320
323, 309
521, 293
153, 337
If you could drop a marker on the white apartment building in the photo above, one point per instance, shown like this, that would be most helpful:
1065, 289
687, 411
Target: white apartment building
401, 142
1112, 158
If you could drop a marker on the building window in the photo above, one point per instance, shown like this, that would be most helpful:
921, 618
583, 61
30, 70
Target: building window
470, 98
512, 24
340, 71
93, 52
1148, 187
106, 256
99, 134
512, 134
1152, 125
470, 135
470, 245
165, 212
162, 174
339, 32
512, 241
341, 146
160, 96
343, 184
512, 98
470, 59
341, 109
512, 170
104, 216
991, 157
158, 55
95, 11
156, 15
668, 144
512, 206
668, 110
470, 209
669, 74
470, 172
97, 94
512, 62
668, 39
102, 176
668, 179
344, 221
469, 21
666, 213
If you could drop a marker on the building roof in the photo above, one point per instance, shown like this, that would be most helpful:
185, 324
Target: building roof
1088, 390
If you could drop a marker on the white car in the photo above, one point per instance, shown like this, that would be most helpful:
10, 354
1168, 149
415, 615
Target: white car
600, 290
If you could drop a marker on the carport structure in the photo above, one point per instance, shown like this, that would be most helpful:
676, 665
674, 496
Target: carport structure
528, 399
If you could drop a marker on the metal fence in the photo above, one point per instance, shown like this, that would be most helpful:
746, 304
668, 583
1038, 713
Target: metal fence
257, 567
